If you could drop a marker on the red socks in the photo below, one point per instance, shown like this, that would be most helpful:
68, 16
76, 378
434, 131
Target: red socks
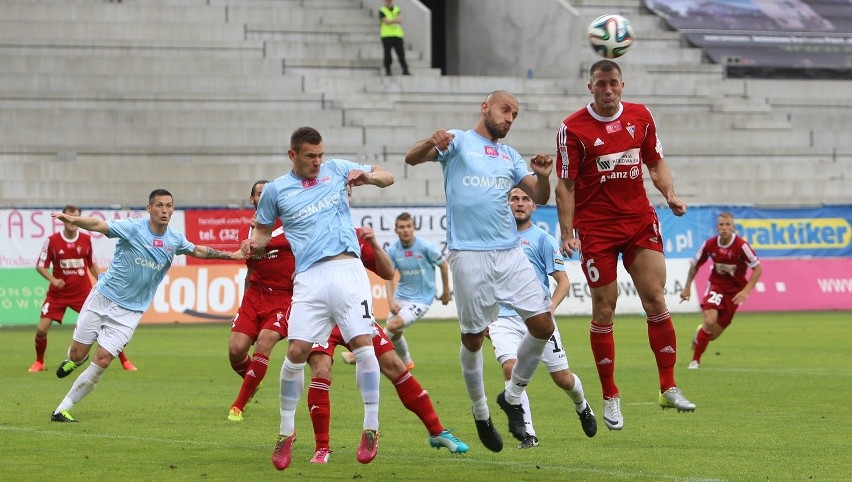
40, 347
319, 408
603, 350
661, 337
702, 339
253, 376
416, 399
241, 366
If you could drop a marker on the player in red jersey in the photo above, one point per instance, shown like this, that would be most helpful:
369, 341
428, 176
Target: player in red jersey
409, 390
728, 288
262, 317
604, 211
70, 253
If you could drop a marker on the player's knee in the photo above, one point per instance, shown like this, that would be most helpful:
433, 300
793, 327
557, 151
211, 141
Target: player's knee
320, 366
391, 365
541, 325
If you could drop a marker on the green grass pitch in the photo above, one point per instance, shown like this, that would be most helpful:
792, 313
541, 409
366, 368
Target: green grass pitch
772, 393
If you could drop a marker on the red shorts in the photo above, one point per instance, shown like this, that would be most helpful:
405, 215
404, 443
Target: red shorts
381, 342
54, 306
721, 301
263, 309
600, 246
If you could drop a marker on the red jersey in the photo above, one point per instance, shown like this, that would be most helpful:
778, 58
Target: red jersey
368, 255
275, 268
730, 262
71, 259
604, 155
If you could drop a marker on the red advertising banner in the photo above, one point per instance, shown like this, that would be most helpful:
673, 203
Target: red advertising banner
798, 285
216, 228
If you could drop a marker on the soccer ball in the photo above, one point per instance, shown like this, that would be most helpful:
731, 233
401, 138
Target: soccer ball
610, 36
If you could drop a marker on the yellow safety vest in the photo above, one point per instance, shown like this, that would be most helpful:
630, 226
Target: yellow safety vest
394, 29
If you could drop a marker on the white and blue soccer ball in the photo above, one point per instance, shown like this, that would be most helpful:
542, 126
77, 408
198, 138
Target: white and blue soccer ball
610, 36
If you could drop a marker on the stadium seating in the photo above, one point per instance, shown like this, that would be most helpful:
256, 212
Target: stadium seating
101, 102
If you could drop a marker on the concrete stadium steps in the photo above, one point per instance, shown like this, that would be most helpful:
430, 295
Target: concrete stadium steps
101, 11
345, 13
52, 117
191, 65
315, 34
147, 83
88, 30
145, 100
124, 48
345, 51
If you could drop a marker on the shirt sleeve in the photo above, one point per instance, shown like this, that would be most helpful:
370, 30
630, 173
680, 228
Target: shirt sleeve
185, 246
444, 156
652, 148
45, 257
267, 207
121, 228
554, 261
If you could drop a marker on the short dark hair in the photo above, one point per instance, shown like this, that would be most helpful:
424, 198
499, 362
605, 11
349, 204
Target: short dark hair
304, 135
404, 216
604, 65
158, 192
70, 208
258, 183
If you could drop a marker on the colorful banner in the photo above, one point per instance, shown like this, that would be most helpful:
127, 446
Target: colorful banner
24, 231
798, 34
216, 228
22, 291
796, 285
203, 294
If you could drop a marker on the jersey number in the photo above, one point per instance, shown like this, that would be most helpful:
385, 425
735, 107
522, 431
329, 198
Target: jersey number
556, 348
366, 308
593, 272
715, 298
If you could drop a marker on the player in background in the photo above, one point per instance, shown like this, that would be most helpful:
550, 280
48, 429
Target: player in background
143, 254
507, 332
415, 259
262, 317
488, 265
604, 211
70, 253
410, 392
727, 288
330, 285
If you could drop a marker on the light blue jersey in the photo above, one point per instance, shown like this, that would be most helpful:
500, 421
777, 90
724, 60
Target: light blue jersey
545, 255
140, 262
416, 265
478, 175
314, 212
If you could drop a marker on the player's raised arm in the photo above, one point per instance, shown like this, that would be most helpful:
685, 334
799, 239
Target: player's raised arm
261, 234
85, 222
538, 187
378, 176
428, 149
206, 252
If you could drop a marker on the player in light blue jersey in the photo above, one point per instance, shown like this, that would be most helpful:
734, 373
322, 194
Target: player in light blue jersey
507, 332
415, 259
330, 284
486, 260
111, 313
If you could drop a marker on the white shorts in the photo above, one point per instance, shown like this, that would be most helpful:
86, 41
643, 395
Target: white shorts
506, 334
484, 279
330, 292
410, 311
107, 323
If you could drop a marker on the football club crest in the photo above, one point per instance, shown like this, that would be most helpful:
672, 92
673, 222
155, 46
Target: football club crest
631, 129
